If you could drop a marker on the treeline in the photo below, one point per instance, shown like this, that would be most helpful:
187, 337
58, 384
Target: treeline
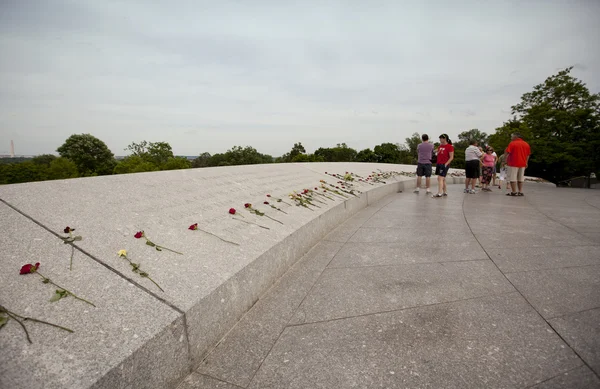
560, 119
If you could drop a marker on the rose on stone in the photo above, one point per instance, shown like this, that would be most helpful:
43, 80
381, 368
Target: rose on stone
135, 267
193, 227
68, 229
29, 268
60, 292
142, 234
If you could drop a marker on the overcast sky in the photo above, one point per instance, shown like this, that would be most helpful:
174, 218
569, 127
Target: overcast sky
208, 75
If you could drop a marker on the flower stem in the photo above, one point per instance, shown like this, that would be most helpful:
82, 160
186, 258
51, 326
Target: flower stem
244, 221
274, 219
66, 290
44, 322
10, 314
281, 210
173, 251
72, 253
154, 282
216, 236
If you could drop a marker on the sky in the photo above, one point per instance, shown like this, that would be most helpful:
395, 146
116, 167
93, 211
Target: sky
208, 75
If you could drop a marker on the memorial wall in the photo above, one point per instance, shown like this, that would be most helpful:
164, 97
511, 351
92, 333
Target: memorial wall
155, 268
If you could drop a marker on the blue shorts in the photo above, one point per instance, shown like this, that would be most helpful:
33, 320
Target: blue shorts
441, 170
424, 169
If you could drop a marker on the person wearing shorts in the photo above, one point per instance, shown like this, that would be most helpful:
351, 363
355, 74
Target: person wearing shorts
489, 161
445, 155
425, 151
472, 155
518, 158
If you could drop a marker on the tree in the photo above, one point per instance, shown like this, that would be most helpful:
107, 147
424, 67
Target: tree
340, 153
296, 150
202, 160
62, 168
412, 144
307, 158
134, 164
564, 122
157, 153
90, 154
392, 153
176, 163
43, 159
366, 155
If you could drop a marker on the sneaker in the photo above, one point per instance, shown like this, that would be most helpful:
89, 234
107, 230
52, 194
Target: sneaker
428, 191
472, 191
436, 195
466, 190
416, 191
445, 194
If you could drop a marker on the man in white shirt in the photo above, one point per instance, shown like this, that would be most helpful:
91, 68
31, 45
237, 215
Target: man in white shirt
472, 155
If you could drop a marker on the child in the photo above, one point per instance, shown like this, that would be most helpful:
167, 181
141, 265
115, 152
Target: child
503, 172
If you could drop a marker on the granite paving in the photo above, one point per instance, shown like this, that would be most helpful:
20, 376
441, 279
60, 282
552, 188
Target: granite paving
466, 291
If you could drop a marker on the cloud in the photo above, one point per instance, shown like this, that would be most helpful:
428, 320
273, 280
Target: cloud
207, 76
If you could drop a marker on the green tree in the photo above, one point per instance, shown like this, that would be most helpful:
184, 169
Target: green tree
62, 168
366, 155
412, 144
239, 155
564, 121
23, 172
307, 158
296, 150
202, 160
44, 159
89, 153
158, 153
340, 153
392, 153
134, 164
176, 163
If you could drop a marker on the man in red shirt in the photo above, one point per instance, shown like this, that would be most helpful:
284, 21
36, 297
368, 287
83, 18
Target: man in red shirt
445, 155
518, 152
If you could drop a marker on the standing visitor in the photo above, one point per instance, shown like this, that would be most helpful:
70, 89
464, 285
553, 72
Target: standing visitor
518, 158
503, 172
425, 151
472, 155
445, 155
489, 161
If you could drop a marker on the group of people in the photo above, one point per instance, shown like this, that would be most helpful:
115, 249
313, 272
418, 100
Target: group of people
480, 165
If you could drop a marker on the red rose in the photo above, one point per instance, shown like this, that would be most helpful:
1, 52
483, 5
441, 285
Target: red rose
316, 189
337, 187
193, 227
68, 229
232, 211
29, 268
268, 195
247, 205
139, 234
325, 172
266, 203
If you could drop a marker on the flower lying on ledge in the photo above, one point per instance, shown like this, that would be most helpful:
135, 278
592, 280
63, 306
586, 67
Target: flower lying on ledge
60, 292
274, 207
322, 194
70, 239
194, 227
135, 267
6, 315
255, 211
141, 234
300, 202
278, 200
232, 211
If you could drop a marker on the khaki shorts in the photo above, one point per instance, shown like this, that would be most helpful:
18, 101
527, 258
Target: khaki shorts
516, 174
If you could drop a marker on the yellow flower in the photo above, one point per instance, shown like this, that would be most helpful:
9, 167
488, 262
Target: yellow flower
122, 253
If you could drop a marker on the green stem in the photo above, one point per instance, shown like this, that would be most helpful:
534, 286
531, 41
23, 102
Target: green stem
44, 322
158, 286
72, 253
216, 236
274, 219
243, 221
173, 251
66, 290
22, 325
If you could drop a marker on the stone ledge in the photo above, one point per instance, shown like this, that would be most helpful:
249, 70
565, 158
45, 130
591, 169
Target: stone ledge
207, 289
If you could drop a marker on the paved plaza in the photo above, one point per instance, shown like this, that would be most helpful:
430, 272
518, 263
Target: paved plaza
466, 291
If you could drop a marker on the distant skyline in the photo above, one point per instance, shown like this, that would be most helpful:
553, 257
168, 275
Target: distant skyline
205, 76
